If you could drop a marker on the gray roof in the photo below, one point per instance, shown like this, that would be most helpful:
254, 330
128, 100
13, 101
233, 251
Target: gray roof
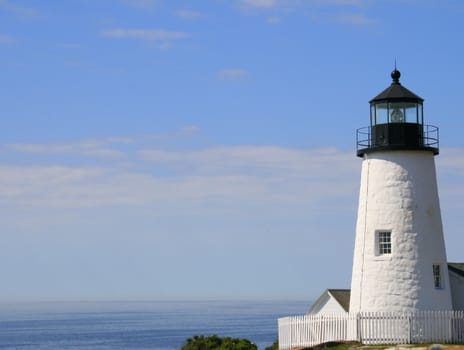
342, 296
457, 268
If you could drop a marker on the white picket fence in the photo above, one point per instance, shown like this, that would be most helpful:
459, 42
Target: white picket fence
372, 328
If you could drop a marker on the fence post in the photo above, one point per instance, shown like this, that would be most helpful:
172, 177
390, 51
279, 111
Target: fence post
359, 325
409, 329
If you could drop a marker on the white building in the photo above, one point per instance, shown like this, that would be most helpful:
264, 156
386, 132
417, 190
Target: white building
337, 301
399, 261
332, 301
402, 287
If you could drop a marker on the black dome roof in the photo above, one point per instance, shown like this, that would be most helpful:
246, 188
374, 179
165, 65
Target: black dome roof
396, 92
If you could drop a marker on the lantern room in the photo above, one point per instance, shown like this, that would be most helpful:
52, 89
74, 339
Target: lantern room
397, 122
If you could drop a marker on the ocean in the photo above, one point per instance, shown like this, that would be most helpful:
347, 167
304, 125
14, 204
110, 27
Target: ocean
159, 325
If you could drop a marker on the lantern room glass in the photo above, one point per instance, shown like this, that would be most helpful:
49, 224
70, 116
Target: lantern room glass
396, 112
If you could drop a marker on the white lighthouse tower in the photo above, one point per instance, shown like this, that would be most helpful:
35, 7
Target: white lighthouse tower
399, 257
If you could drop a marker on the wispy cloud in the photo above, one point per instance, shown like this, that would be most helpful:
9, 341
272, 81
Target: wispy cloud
6, 39
258, 160
340, 9
145, 34
189, 14
189, 130
353, 18
139, 172
259, 3
295, 4
233, 73
243, 173
21, 11
273, 20
101, 147
271, 6
95, 148
98, 152
51, 185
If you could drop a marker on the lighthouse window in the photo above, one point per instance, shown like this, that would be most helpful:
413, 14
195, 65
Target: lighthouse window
396, 111
411, 113
381, 113
420, 114
384, 242
437, 276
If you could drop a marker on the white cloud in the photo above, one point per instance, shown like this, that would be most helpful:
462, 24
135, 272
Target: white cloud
90, 147
104, 153
40, 148
19, 10
74, 187
281, 6
166, 46
353, 18
260, 3
151, 176
282, 173
107, 146
295, 4
189, 130
273, 20
189, 14
233, 73
158, 38
83, 149
145, 34
263, 174
309, 7
42, 185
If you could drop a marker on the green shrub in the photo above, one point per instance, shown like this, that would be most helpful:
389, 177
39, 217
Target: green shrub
274, 346
213, 342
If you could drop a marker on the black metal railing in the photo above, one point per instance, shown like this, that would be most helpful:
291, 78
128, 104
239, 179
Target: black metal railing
389, 136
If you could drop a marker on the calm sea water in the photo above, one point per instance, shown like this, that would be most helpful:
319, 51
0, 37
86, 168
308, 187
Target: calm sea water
138, 325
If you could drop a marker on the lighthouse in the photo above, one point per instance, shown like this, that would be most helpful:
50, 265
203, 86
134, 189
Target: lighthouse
399, 261
403, 290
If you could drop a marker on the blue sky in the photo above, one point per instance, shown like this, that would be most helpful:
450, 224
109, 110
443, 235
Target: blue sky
155, 149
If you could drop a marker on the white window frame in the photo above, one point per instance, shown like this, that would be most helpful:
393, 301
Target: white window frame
383, 242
